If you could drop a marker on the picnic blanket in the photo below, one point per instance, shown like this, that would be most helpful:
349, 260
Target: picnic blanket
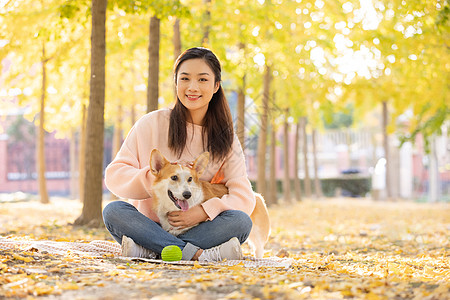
99, 248
94, 248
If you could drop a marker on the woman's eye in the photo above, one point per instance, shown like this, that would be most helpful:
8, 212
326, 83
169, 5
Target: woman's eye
203, 79
174, 178
189, 179
184, 78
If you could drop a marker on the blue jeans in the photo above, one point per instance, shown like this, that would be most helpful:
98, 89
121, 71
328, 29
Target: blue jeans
122, 218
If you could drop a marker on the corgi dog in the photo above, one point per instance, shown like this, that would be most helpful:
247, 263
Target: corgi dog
178, 187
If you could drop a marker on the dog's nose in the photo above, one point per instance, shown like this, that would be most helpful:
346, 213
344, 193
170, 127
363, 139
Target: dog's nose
187, 195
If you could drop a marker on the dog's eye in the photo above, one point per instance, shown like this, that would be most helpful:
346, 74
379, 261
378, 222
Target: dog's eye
174, 177
189, 179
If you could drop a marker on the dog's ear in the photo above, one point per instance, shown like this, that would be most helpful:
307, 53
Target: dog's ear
157, 161
200, 163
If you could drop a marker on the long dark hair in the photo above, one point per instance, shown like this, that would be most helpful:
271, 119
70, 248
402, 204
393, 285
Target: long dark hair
218, 133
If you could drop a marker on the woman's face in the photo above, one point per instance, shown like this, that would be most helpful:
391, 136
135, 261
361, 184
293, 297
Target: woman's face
195, 87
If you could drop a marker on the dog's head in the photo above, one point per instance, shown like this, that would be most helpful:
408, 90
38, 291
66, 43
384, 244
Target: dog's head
179, 183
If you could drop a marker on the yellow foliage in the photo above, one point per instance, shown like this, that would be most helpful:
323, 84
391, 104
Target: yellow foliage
25, 259
340, 249
41, 289
67, 286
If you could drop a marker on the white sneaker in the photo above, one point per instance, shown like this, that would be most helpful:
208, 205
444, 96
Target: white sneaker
230, 250
131, 249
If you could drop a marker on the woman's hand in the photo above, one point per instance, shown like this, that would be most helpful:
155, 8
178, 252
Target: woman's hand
191, 217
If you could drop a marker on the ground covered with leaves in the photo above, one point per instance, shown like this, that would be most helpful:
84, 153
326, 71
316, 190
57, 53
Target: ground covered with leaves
341, 249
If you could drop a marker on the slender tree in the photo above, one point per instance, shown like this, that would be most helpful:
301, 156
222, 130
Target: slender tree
117, 137
41, 137
307, 179
73, 165
286, 160
176, 39
385, 122
206, 22
272, 187
297, 186
317, 187
93, 186
240, 122
262, 139
82, 153
153, 64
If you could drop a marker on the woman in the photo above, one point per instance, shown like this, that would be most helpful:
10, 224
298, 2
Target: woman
200, 121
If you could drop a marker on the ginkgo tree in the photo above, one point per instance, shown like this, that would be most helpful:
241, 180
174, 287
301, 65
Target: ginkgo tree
313, 57
401, 47
39, 50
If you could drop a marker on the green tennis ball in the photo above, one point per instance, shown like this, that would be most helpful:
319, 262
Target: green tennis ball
171, 253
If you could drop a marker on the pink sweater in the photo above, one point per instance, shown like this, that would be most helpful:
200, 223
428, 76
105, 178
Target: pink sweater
129, 176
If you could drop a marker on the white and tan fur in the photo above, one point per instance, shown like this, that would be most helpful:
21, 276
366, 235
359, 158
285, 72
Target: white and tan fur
178, 187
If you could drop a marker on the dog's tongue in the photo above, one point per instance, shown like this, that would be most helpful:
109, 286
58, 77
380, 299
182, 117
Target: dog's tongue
183, 204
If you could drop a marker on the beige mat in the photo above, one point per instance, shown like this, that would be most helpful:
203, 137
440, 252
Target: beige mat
94, 248
248, 262
98, 248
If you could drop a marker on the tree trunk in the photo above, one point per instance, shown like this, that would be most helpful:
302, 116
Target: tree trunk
117, 138
386, 150
262, 139
317, 187
287, 179
307, 179
82, 154
176, 40
73, 165
43, 193
433, 178
207, 23
153, 65
133, 114
93, 187
240, 122
297, 186
272, 192
348, 141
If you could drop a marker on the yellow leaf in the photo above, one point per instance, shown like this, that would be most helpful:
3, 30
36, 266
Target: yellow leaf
197, 265
429, 271
347, 293
63, 240
373, 296
54, 270
235, 295
112, 273
238, 266
22, 258
68, 286
266, 292
43, 289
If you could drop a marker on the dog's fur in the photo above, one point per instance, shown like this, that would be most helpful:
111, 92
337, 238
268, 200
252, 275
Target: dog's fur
177, 187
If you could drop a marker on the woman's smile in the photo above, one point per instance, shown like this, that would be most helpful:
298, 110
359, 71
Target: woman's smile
193, 97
